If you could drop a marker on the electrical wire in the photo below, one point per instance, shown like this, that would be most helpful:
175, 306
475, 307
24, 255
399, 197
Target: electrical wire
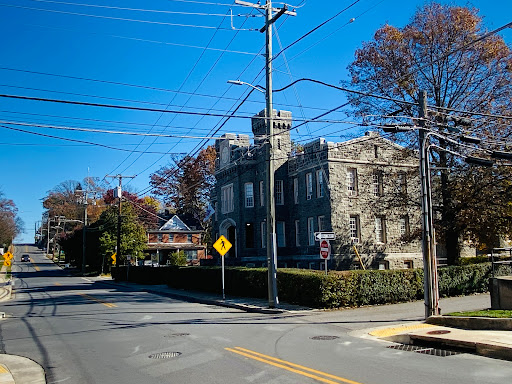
139, 9
73, 140
121, 18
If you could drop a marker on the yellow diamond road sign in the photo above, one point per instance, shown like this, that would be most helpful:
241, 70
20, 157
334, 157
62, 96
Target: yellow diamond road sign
7, 263
8, 256
222, 245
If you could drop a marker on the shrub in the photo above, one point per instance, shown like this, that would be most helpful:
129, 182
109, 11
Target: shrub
315, 289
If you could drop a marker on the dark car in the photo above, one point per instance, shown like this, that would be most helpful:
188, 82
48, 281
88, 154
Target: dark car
25, 258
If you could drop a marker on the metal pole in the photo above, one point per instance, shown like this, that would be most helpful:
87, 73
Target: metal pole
431, 295
271, 235
223, 280
83, 234
48, 239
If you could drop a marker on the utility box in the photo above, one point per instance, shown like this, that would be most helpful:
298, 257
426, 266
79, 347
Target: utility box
501, 292
117, 192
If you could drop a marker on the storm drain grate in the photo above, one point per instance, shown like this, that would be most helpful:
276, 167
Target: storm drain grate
164, 355
425, 350
177, 334
324, 337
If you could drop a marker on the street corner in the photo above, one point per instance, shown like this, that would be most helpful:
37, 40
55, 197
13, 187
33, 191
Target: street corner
19, 369
5, 375
398, 333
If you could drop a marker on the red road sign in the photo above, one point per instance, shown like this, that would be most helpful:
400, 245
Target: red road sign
325, 250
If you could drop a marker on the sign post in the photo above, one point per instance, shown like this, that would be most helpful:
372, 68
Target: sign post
222, 245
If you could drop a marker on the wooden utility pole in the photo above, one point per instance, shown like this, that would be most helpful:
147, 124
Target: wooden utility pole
118, 193
270, 18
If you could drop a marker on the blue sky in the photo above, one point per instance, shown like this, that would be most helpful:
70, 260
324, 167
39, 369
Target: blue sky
95, 52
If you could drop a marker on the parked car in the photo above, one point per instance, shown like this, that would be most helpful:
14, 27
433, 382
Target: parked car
25, 257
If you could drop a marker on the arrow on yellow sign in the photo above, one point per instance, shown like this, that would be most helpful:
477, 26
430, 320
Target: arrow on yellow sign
113, 257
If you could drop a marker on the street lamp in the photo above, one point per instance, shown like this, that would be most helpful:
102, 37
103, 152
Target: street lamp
273, 299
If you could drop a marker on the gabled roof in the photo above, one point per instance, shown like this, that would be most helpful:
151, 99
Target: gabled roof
174, 223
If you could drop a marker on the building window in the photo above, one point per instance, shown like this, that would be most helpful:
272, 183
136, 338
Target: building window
191, 254
378, 187
297, 233
309, 186
249, 235
262, 194
227, 199
408, 264
352, 181
279, 192
404, 225
383, 265
376, 151
320, 186
249, 195
160, 237
296, 190
311, 231
321, 223
401, 186
354, 229
380, 229
281, 241
263, 227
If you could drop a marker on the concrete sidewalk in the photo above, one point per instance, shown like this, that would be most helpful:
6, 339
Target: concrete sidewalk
20, 370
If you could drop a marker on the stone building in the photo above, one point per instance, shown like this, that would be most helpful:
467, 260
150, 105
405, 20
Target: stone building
366, 190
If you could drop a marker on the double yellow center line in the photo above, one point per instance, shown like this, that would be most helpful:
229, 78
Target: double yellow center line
295, 368
92, 298
105, 303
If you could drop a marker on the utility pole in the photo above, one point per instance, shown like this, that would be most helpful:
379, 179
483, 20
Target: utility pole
270, 19
431, 289
118, 193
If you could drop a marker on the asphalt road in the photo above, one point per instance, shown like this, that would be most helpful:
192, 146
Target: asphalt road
84, 331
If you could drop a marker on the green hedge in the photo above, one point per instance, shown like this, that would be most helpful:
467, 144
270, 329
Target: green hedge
337, 289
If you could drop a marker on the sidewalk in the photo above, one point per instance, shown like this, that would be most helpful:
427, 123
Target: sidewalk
475, 338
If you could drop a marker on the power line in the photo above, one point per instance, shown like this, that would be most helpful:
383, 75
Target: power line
73, 140
121, 18
140, 9
105, 131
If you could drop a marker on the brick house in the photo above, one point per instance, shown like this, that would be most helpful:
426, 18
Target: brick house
366, 190
175, 236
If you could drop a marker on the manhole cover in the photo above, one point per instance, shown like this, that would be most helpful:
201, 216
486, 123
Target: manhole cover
438, 332
324, 337
164, 355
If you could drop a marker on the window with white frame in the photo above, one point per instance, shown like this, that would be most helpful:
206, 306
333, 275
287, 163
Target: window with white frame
321, 223
320, 186
280, 234
227, 198
309, 186
311, 231
352, 181
279, 192
354, 229
378, 188
262, 194
263, 228
296, 190
249, 195
297, 233
404, 225
380, 229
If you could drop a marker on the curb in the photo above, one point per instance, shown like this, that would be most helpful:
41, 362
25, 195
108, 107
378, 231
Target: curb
21, 370
202, 300
473, 323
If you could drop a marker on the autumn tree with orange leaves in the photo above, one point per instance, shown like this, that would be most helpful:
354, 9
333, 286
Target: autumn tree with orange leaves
466, 72
186, 185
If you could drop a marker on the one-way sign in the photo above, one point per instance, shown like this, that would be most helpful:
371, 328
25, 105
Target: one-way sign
325, 236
